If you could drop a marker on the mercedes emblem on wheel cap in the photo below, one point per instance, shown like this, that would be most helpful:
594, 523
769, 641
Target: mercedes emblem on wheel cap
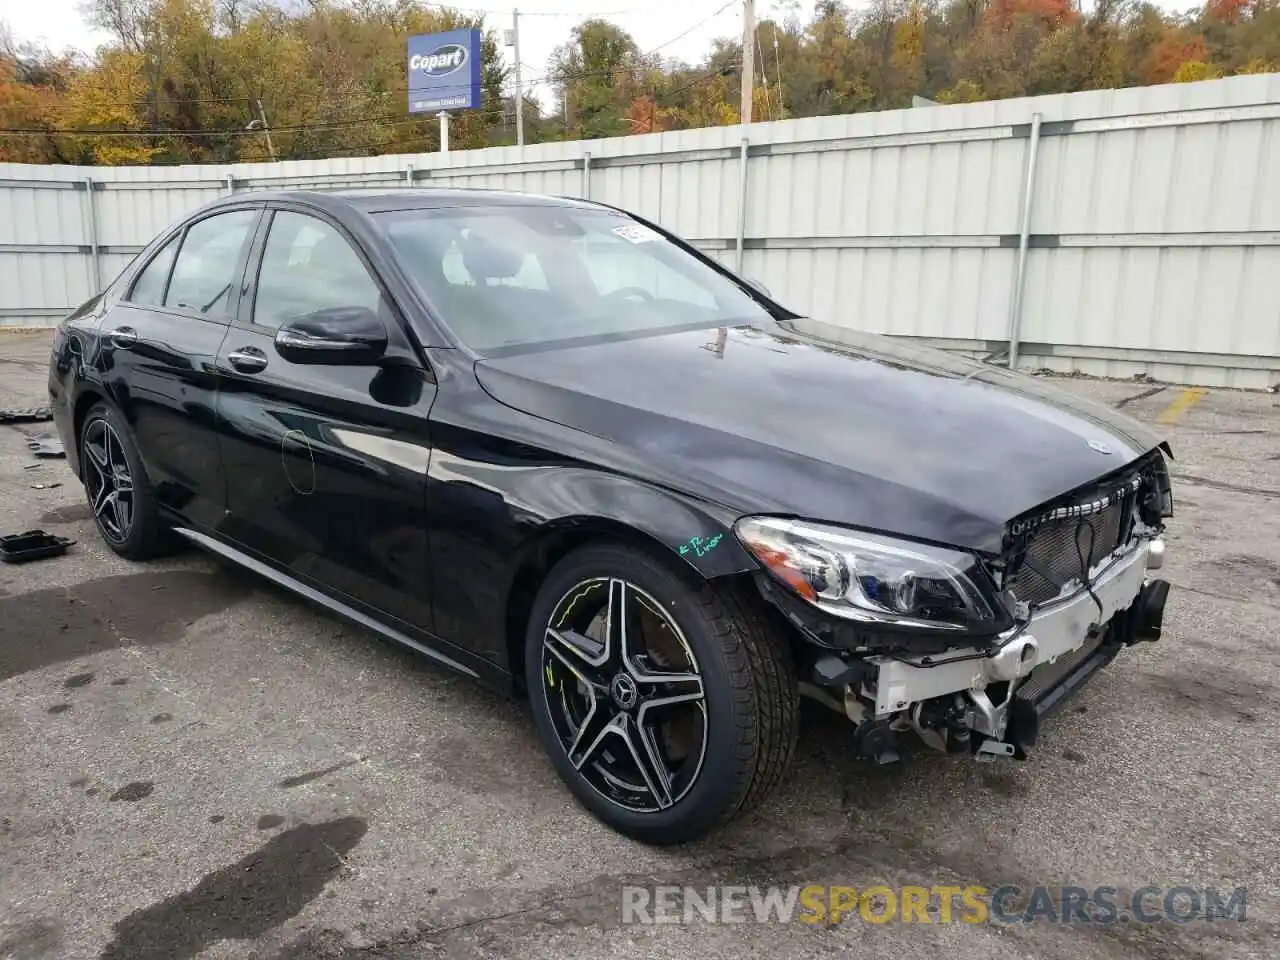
624, 691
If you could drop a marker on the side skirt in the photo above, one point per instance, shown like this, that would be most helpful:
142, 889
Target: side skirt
484, 672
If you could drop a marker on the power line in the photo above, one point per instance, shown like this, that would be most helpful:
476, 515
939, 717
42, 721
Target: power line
319, 154
392, 148
337, 99
363, 102
387, 119
710, 75
161, 101
173, 101
390, 119
201, 132
607, 71
588, 14
682, 35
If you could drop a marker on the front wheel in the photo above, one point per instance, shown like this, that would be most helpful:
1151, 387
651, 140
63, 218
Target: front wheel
666, 707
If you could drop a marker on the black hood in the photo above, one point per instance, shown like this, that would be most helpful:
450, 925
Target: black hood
868, 432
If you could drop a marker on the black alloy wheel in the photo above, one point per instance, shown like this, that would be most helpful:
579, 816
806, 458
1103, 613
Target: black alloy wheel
107, 481
625, 694
124, 505
666, 704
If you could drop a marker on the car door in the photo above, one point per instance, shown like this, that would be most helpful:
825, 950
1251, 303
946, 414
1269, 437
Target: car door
160, 344
326, 463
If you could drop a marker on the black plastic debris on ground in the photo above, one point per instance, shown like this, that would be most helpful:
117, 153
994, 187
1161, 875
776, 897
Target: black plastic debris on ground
46, 446
26, 415
32, 545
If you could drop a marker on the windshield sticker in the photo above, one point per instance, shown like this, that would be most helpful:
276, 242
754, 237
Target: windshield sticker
636, 233
701, 546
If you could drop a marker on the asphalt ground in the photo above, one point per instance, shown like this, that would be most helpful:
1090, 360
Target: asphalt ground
193, 763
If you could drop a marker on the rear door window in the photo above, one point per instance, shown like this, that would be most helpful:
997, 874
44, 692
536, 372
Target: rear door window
204, 275
148, 288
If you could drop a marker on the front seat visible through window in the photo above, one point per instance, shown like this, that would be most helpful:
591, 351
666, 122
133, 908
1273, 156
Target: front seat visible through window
306, 266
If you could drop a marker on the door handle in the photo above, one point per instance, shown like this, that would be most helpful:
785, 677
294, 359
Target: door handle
248, 359
122, 338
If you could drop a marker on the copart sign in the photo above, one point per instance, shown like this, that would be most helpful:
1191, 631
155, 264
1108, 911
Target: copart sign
444, 71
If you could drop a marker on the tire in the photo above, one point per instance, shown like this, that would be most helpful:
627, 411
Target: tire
135, 531
748, 712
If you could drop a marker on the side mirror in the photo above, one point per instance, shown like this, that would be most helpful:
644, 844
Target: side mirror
758, 286
345, 336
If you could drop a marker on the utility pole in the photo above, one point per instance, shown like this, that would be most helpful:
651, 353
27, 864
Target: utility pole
261, 124
748, 56
777, 59
514, 43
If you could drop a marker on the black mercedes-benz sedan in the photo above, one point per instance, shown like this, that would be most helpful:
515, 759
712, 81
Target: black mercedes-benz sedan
556, 448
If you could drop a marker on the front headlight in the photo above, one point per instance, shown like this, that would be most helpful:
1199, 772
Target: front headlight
868, 577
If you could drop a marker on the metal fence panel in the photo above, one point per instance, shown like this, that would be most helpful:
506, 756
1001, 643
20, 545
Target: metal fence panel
1153, 231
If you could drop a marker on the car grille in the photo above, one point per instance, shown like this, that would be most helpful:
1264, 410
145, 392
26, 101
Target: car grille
1051, 558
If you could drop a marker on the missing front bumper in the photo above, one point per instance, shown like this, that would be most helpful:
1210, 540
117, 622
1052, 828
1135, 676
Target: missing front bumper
1047, 689
1051, 633
1002, 696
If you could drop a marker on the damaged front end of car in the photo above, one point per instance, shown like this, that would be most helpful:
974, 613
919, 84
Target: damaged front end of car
970, 653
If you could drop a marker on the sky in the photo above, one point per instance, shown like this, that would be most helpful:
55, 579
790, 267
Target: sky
682, 29
544, 24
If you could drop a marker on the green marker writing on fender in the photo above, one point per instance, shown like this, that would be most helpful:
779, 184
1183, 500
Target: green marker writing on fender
700, 546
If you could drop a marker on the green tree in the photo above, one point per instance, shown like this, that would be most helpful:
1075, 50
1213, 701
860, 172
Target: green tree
187, 78
595, 75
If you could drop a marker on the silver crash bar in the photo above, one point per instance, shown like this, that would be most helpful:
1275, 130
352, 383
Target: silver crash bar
1053, 630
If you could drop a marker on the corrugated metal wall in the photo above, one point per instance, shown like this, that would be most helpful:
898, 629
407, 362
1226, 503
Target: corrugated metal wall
1153, 236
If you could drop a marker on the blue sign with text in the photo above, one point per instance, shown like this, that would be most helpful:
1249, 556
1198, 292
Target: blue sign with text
444, 71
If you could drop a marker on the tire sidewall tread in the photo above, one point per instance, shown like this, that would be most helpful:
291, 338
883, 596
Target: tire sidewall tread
148, 535
749, 683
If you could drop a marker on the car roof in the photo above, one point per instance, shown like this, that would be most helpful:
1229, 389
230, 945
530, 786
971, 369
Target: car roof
380, 199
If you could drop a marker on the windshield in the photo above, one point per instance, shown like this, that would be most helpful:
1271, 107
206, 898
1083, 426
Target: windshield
506, 278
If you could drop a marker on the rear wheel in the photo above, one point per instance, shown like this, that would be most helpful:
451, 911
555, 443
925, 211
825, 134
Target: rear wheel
666, 707
116, 485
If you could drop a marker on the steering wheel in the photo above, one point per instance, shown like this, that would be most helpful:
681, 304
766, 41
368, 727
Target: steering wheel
630, 292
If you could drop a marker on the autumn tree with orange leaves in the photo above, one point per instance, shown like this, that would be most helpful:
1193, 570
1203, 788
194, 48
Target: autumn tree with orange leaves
181, 79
